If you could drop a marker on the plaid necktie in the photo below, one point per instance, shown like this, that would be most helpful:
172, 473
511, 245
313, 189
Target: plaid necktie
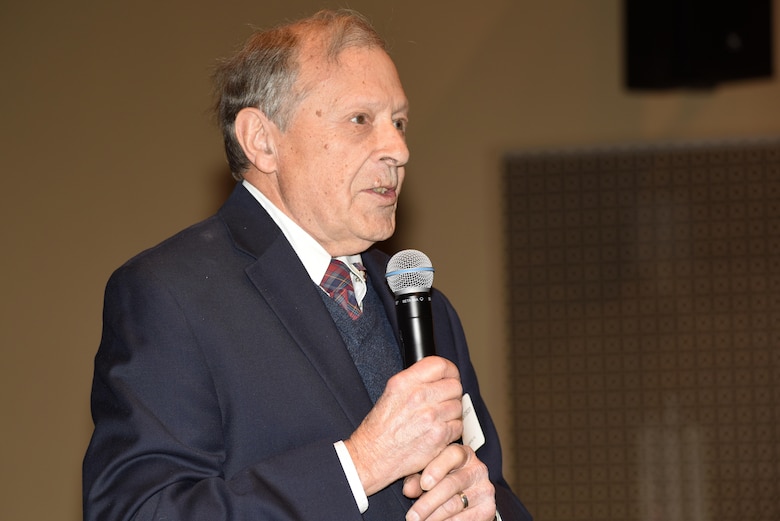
337, 283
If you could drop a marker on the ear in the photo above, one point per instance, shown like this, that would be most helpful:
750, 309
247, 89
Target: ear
255, 134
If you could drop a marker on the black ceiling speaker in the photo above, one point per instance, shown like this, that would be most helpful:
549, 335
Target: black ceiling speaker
696, 43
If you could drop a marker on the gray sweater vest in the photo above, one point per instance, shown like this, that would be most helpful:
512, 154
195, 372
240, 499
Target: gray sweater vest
370, 341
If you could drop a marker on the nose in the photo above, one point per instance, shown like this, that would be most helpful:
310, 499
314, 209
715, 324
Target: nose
392, 140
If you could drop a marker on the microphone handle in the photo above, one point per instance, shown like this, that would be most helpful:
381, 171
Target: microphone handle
415, 322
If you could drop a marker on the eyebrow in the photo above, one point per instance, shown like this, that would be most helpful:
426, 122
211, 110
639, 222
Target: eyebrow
403, 108
374, 104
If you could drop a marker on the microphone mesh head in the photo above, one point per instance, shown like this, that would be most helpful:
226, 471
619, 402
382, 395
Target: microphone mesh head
409, 270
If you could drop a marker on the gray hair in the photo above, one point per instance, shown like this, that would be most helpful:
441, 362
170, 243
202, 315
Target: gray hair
263, 73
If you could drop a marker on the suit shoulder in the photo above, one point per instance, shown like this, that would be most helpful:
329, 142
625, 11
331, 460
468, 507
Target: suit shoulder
198, 241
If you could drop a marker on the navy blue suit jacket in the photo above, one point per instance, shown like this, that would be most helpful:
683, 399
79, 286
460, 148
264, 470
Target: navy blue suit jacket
221, 384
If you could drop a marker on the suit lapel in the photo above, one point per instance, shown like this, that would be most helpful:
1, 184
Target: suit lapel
283, 282
375, 262
278, 275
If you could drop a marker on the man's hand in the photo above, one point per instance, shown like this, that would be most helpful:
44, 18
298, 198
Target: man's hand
454, 485
415, 419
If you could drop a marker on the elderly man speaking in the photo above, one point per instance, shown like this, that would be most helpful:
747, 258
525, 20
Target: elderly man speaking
234, 380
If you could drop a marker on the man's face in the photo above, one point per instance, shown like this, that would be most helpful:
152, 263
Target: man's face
340, 162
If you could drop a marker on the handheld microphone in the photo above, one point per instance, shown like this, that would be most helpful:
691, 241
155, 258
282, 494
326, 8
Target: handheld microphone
410, 276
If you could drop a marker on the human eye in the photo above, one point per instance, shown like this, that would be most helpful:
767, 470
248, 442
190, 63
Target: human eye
360, 119
401, 124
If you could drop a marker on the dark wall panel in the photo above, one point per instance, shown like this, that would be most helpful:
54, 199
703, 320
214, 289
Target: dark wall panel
645, 331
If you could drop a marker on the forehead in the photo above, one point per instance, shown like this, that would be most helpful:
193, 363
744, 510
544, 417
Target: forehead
355, 68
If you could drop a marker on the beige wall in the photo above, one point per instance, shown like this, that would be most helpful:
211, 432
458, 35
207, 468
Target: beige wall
105, 121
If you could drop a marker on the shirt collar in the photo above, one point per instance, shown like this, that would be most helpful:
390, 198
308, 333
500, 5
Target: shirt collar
314, 257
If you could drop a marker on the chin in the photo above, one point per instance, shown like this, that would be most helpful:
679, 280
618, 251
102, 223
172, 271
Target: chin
384, 235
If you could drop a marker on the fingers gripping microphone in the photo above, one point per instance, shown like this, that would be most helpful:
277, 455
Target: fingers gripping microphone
410, 275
